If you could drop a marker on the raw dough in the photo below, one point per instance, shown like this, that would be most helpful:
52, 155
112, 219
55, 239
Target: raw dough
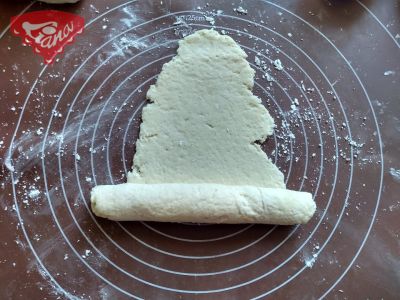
197, 158
206, 203
204, 121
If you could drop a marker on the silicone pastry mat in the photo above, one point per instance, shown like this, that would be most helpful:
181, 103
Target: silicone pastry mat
327, 70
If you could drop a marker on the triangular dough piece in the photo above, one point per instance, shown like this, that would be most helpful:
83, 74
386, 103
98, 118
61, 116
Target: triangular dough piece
203, 123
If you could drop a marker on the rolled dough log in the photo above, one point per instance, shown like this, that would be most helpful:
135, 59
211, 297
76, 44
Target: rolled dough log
203, 203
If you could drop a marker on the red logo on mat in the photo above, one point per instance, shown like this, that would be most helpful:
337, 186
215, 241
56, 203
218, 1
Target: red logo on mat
47, 31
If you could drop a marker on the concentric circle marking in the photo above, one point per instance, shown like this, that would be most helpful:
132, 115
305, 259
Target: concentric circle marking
67, 117
103, 107
131, 118
379, 22
320, 174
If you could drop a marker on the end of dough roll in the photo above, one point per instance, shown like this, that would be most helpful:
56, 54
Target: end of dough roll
202, 203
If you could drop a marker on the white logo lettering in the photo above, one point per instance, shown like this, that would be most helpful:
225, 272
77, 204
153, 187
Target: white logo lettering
46, 34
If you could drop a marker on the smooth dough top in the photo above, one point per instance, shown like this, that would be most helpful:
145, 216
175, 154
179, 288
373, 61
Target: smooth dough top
203, 123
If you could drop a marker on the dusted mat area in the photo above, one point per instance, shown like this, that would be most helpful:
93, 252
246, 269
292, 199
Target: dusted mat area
327, 72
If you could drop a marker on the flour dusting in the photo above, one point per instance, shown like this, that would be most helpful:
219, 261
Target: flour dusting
52, 287
395, 174
309, 259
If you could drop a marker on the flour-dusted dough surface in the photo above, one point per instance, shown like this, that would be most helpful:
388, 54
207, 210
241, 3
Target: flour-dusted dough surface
203, 122
206, 203
197, 159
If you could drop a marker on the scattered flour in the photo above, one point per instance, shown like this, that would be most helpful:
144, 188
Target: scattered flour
52, 286
33, 193
389, 72
8, 164
310, 259
240, 10
395, 174
278, 64
309, 262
